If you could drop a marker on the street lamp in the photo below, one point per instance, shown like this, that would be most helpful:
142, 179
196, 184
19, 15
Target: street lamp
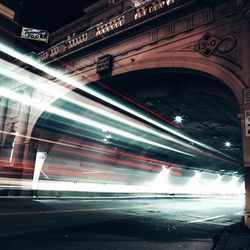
228, 144
178, 119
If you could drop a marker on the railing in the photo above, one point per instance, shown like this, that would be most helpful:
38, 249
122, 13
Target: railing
94, 33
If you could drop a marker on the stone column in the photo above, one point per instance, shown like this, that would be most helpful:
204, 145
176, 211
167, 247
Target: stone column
21, 130
247, 185
244, 44
29, 157
246, 160
3, 110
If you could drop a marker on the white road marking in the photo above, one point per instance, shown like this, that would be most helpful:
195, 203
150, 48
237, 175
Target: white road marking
220, 224
239, 213
206, 219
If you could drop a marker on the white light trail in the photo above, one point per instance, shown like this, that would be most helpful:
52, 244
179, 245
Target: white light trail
216, 185
78, 83
54, 110
57, 91
194, 184
118, 188
161, 180
40, 159
12, 151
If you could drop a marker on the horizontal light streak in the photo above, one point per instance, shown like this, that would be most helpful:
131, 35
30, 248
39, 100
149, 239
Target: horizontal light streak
100, 168
109, 159
56, 91
137, 104
39, 83
13, 167
78, 83
54, 110
107, 150
94, 149
115, 188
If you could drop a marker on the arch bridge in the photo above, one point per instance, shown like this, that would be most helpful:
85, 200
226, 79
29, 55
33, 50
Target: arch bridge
152, 63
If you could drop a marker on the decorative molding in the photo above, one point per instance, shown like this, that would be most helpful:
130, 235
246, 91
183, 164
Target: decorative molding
231, 6
229, 48
154, 35
228, 44
241, 3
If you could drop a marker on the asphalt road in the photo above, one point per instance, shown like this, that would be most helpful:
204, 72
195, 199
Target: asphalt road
194, 223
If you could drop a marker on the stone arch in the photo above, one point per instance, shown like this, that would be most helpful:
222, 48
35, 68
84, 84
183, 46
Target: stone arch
216, 67
223, 70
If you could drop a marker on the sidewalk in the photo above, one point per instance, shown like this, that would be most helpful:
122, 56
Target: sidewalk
236, 238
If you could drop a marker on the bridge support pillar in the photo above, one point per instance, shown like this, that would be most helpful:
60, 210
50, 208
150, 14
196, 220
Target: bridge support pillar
21, 130
246, 167
29, 158
246, 159
3, 110
247, 184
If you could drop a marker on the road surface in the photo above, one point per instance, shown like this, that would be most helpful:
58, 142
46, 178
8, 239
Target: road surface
180, 223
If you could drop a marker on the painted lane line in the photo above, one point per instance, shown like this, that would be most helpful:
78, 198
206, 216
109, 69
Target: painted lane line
239, 213
206, 219
220, 223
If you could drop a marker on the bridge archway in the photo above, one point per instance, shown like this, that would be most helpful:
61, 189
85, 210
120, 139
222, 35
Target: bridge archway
217, 68
183, 73
223, 70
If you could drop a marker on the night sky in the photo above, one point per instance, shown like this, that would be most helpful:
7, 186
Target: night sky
51, 14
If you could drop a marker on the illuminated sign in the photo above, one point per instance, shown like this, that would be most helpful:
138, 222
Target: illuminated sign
34, 34
104, 64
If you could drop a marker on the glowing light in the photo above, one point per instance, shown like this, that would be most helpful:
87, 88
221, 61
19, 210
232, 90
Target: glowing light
161, 180
51, 109
234, 185
219, 177
40, 158
193, 186
216, 186
13, 145
50, 88
79, 83
228, 144
178, 119
122, 188
197, 174
119, 188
